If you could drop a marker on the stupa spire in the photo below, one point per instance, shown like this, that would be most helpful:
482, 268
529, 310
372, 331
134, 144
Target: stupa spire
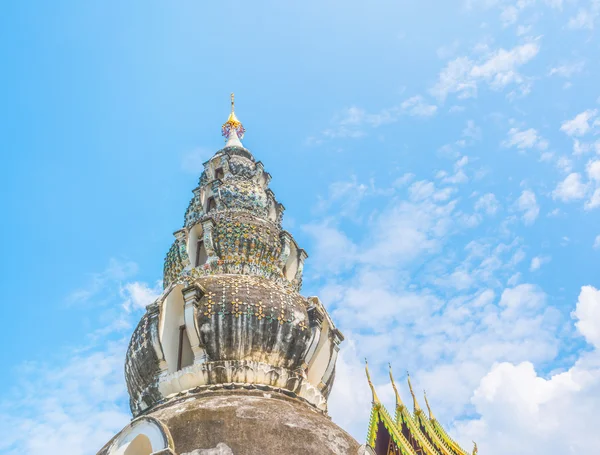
233, 130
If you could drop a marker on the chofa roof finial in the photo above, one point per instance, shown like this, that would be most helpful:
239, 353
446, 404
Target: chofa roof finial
398, 399
375, 398
415, 403
431, 417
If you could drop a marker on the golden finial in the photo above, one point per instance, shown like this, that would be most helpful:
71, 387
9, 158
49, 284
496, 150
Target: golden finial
431, 417
398, 399
415, 404
233, 124
375, 398
474, 448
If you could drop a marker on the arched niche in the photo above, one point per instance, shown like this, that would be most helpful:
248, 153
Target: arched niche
320, 360
143, 436
173, 333
291, 265
141, 445
196, 248
272, 211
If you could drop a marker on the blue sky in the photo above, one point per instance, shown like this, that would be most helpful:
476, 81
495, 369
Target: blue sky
437, 160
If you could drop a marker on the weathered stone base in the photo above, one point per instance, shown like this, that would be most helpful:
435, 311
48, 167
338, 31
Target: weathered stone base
249, 422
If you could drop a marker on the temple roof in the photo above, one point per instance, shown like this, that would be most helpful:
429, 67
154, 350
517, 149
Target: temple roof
408, 433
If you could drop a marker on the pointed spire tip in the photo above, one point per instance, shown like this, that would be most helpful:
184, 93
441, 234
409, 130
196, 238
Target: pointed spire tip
398, 399
232, 129
375, 397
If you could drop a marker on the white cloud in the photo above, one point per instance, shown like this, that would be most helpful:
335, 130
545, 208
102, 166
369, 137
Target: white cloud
499, 69
138, 295
421, 190
587, 314
594, 200
353, 122
456, 78
509, 15
74, 408
564, 164
581, 148
459, 175
77, 402
334, 251
487, 203
472, 131
513, 400
597, 242
345, 196
537, 262
527, 204
524, 140
418, 107
580, 125
593, 170
404, 179
567, 70
585, 17
571, 188
116, 271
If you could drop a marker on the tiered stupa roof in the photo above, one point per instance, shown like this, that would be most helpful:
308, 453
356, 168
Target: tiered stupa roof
231, 357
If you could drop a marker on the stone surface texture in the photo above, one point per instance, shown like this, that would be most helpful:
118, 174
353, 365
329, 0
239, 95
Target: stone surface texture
250, 423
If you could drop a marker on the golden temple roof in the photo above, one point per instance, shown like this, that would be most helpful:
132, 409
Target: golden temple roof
407, 433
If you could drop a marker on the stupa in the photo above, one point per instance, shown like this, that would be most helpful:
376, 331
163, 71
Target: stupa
231, 359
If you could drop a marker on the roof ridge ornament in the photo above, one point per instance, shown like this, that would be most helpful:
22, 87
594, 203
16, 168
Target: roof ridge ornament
232, 129
431, 417
375, 397
415, 403
399, 402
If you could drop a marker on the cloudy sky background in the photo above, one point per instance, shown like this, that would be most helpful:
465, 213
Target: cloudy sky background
439, 161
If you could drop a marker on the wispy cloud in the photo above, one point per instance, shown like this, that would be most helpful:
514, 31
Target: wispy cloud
498, 69
528, 206
571, 188
567, 70
525, 139
355, 122
581, 124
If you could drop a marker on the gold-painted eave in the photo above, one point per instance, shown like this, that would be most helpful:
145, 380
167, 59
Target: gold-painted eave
403, 414
438, 440
451, 442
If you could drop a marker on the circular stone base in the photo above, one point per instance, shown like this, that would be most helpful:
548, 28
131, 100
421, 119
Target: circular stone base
239, 422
